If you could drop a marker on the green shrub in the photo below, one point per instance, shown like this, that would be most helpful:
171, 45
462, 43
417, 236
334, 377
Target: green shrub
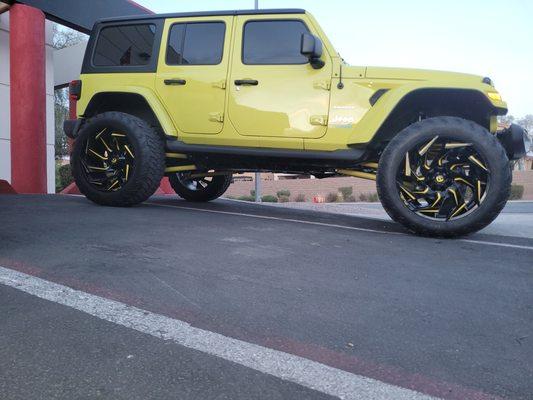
268, 198
246, 198
369, 197
252, 193
332, 197
300, 198
517, 192
284, 199
346, 192
63, 177
283, 193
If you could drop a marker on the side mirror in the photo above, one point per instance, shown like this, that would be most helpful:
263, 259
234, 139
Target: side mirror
311, 47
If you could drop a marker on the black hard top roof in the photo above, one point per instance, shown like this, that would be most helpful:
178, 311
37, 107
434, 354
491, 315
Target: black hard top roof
207, 14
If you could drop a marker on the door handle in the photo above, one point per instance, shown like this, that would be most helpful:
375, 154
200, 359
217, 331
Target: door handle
175, 81
249, 82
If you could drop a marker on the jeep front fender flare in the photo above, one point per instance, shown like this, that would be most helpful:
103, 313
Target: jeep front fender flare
376, 116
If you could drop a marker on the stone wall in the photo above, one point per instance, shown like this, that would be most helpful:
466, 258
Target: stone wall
525, 178
321, 187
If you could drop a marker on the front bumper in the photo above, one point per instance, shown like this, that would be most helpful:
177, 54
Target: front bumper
515, 141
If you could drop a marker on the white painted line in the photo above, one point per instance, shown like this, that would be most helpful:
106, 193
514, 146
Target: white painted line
512, 246
299, 221
353, 228
304, 372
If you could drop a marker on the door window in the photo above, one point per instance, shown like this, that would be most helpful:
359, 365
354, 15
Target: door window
198, 43
273, 42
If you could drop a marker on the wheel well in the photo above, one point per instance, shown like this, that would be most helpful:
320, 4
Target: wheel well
426, 103
129, 103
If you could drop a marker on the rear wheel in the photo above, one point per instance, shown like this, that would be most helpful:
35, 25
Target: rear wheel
192, 187
118, 159
444, 176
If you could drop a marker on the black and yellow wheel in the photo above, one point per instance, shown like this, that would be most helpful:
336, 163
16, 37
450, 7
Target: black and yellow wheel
118, 160
444, 176
192, 186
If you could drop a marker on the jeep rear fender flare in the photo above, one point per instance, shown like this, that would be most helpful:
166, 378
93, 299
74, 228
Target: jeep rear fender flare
372, 123
149, 97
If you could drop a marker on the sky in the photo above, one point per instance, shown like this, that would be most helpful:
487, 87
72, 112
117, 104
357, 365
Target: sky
489, 38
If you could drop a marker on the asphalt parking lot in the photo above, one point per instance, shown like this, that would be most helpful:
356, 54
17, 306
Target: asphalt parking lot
229, 300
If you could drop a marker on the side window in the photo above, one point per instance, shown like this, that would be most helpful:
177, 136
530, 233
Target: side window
199, 43
124, 45
273, 42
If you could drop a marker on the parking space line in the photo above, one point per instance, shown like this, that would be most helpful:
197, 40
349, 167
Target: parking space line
325, 224
510, 245
288, 367
299, 221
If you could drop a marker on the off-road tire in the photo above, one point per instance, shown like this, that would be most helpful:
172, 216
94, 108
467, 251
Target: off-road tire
216, 188
485, 143
149, 163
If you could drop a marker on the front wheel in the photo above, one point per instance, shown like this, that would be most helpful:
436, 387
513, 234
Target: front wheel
192, 186
444, 176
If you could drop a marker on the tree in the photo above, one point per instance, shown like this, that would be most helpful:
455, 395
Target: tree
527, 123
66, 37
61, 113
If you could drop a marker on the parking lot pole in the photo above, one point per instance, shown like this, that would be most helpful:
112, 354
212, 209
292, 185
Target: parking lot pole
258, 187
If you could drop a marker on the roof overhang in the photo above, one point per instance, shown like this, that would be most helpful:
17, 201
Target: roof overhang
82, 14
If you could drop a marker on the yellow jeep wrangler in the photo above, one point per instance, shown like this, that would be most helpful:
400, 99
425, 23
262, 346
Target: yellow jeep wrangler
200, 96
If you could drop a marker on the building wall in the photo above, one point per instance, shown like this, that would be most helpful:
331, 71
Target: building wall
5, 109
308, 187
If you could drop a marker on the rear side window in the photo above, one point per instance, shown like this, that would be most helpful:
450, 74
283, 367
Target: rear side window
200, 43
124, 45
273, 42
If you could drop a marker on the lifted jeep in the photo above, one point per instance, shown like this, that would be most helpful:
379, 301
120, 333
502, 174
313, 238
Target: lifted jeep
201, 96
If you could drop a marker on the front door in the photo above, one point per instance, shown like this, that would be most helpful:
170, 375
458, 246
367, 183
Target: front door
191, 75
273, 90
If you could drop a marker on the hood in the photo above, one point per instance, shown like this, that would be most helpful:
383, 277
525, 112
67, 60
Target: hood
408, 74
418, 75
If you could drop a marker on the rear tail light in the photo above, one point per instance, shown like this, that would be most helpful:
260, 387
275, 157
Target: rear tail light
74, 90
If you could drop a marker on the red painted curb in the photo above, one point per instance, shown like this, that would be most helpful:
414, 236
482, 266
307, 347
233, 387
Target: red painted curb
6, 188
71, 189
163, 189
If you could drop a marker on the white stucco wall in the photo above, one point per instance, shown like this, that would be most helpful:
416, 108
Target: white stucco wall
67, 63
5, 152
5, 109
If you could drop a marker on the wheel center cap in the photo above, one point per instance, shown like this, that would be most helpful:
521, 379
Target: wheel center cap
439, 179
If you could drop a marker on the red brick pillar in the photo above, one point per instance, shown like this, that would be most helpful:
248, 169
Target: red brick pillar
28, 99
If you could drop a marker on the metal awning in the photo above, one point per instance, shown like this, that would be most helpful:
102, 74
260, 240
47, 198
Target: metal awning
81, 14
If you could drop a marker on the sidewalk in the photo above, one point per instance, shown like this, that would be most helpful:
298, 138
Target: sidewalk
515, 220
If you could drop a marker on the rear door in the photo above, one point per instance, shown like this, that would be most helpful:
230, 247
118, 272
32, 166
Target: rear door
273, 90
192, 71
